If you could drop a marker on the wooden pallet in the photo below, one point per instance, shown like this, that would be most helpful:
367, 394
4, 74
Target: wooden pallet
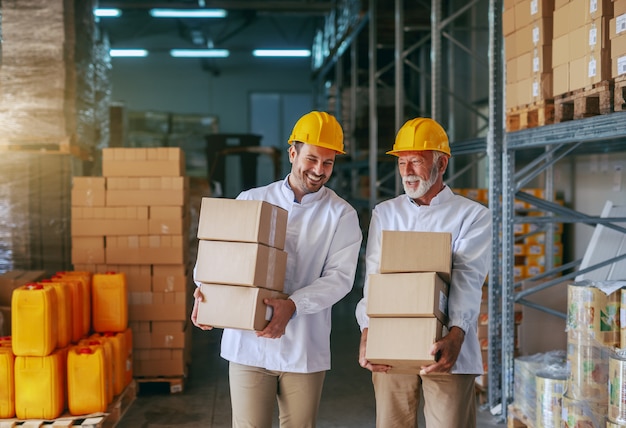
619, 100
516, 419
539, 113
176, 383
64, 146
110, 419
592, 100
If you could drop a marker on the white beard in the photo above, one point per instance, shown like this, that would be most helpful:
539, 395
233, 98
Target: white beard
424, 185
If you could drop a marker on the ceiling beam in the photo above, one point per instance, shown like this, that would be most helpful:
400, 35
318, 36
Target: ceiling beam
293, 6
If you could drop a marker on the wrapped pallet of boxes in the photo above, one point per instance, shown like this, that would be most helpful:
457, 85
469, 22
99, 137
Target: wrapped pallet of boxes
408, 301
241, 261
135, 220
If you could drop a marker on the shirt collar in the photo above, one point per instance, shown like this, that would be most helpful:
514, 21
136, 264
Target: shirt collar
440, 198
308, 198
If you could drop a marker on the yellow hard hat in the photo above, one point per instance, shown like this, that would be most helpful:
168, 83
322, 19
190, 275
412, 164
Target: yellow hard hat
319, 128
418, 134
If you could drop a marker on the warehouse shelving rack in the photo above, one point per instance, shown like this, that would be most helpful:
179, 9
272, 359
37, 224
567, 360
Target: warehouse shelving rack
539, 148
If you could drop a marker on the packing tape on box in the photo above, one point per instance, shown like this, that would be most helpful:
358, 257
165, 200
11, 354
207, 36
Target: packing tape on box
269, 279
617, 388
273, 226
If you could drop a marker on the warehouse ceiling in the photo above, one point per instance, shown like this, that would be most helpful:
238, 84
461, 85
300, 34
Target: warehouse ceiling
250, 24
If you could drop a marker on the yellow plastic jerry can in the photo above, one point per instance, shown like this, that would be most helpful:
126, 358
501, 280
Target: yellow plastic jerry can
34, 318
7, 391
86, 380
109, 300
40, 386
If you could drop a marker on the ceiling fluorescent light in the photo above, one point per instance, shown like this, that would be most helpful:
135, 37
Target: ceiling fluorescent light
282, 53
188, 13
107, 13
199, 53
128, 52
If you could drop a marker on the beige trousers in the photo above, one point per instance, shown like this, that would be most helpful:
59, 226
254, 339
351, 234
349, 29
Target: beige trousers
449, 400
254, 391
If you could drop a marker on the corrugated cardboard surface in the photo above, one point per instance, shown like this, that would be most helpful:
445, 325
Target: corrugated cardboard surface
407, 251
403, 343
231, 306
242, 221
241, 263
407, 295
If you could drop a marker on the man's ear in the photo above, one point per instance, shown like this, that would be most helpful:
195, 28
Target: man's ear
443, 163
292, 153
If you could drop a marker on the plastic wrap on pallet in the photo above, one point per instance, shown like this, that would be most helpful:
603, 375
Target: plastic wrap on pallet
550, 383
593, 328
35, 210
617, 387
525, 371
49, 75
583, 413
594, 311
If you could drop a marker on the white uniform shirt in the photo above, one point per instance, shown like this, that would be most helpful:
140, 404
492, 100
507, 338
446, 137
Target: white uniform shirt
322, 244
470, 225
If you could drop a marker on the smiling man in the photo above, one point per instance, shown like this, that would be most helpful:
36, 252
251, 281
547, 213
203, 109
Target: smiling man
287, 361
428, 205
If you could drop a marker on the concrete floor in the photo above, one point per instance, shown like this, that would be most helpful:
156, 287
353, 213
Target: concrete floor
347, 400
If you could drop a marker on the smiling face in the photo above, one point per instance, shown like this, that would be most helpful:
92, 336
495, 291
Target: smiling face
311, 167
422, 174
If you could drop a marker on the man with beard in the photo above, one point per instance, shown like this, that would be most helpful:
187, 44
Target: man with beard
287, 361
428, 205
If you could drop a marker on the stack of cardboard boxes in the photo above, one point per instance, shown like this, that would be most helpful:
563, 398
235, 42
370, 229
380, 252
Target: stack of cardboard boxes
581, 50
241, 261
408, 299
527, 28
617, 35
135, 219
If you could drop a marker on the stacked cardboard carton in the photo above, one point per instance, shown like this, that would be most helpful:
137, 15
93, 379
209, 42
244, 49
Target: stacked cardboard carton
135, 219
408, 300
617, 34
527, 27
241, 261
581, 50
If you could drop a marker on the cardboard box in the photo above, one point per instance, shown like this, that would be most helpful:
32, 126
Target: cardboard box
168, 220
146, 250
143, 162
149, 306
541, 9
169, 278
160, 362
407, 295
88, 250
241, 263
13, 279
88, 191
113, 227
522, 15
618, 55
619, 7
230, 306
561, 79
403, 343
560, 51
161, 334
408, 251
561, 21
242, 221
508, 21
